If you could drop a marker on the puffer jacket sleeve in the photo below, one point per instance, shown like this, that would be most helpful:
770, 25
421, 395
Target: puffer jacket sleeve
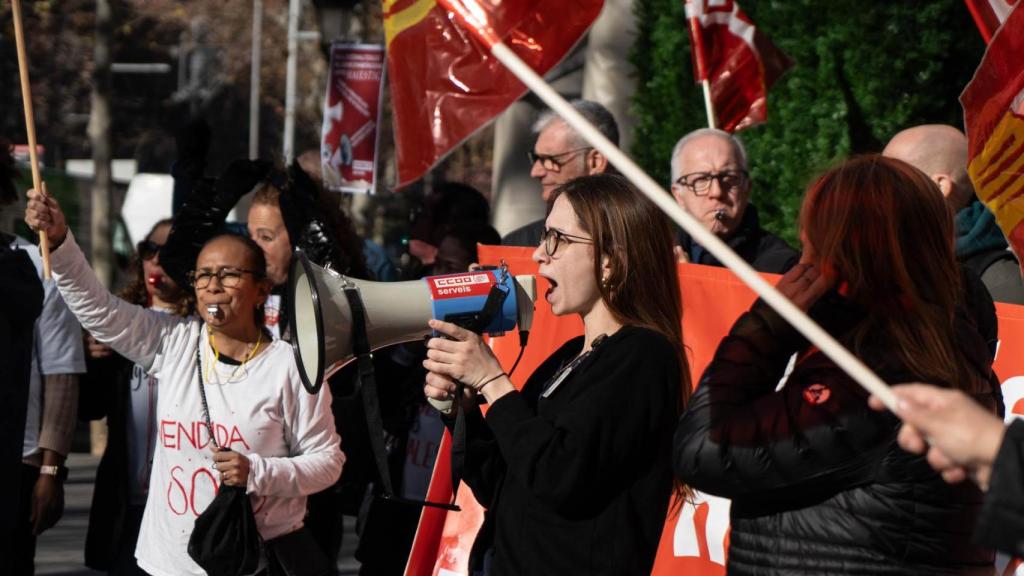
739, 437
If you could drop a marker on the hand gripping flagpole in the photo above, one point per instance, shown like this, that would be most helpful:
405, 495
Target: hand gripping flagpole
474, 19
30, 126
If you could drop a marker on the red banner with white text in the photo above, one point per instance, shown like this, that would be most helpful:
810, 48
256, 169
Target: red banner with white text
695, 540
348, 146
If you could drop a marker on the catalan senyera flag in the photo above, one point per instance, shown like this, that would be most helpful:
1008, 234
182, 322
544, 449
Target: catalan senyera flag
993, 105
990, 14
738, 60
445, 84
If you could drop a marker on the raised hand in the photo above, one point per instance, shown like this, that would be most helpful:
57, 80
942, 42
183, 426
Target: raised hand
43, 213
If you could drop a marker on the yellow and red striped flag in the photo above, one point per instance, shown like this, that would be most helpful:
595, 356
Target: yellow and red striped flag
445, 84
993, 105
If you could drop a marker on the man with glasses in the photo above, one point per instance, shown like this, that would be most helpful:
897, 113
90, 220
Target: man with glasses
711, 181
560, 155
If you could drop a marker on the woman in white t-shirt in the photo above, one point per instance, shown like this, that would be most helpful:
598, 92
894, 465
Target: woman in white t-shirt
281, 440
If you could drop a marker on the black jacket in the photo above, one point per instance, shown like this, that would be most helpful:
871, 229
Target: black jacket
105, 393
1002, 518
764, 251
579, 482
21, 301
817, 481
529, 235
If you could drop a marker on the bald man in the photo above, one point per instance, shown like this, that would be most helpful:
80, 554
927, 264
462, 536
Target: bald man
940, 151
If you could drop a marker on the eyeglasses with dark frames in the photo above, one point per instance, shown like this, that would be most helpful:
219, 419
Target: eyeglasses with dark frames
700, 182
553, 238
554, 162
227, 276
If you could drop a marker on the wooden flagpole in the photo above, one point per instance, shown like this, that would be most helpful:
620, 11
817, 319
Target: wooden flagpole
30, 126
709, 107
857, 370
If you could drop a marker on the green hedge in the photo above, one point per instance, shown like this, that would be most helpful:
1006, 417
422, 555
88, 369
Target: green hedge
864, 71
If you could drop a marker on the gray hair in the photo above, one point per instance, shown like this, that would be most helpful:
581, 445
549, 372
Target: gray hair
594, 113
741, 152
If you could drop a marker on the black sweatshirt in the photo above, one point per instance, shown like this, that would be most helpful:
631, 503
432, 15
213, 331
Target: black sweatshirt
579, 482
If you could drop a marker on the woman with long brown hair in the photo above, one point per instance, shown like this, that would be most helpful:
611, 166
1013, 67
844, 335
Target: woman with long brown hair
575, 468
817, 481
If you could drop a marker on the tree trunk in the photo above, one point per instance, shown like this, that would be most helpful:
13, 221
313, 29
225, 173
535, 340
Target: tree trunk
100, 138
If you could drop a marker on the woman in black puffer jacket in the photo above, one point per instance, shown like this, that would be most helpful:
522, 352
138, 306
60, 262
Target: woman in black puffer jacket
817, 481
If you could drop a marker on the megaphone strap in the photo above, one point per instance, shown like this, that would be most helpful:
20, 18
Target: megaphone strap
366, 387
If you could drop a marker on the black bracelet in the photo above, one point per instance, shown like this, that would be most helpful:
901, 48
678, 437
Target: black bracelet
489, 380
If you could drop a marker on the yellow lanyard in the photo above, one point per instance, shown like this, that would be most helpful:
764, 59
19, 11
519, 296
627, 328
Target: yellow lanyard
216, 356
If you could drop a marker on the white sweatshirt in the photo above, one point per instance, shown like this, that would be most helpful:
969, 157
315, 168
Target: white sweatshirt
264, 413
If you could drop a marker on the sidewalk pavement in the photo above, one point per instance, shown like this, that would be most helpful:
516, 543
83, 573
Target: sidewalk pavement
61, 550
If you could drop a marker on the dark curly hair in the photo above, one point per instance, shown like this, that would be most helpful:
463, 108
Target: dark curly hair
135, 292
8, 173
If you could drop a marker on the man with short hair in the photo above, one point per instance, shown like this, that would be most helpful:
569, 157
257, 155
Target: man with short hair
560, 155
940, 151
711, 181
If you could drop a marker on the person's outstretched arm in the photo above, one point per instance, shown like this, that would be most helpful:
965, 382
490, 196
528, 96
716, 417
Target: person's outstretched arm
131, 330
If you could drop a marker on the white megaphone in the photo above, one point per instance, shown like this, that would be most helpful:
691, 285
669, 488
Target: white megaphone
321, 316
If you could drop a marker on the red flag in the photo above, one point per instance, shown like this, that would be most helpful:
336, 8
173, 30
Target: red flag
445, 84
740, 62
994, 119
989, 15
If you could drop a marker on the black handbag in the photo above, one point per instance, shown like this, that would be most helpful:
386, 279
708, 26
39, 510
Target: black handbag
224, 540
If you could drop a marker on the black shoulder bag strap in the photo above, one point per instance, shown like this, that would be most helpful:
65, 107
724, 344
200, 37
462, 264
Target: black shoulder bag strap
202, 388
492, 307
366, 387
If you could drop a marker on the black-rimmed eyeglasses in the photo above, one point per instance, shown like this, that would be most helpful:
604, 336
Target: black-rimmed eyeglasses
700, 182
554, 162
552, 238
227, 276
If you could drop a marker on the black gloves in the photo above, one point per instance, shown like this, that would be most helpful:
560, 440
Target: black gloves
240, 177
308, 223
202, 215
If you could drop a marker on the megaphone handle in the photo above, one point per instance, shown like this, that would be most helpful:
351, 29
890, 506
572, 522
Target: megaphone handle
446, 407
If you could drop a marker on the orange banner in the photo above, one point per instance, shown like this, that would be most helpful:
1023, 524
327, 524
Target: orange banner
695, 540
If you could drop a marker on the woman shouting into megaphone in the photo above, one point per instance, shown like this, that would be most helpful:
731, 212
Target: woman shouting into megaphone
575, 468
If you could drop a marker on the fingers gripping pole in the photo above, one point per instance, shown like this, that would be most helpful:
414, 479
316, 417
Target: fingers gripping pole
30, 126
825, 342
